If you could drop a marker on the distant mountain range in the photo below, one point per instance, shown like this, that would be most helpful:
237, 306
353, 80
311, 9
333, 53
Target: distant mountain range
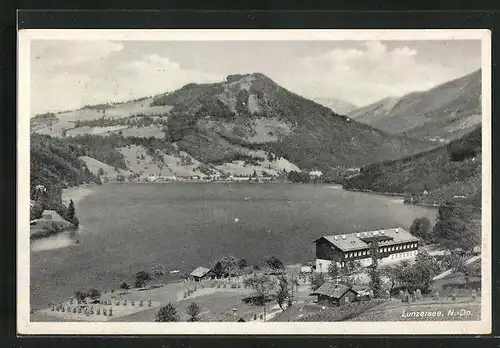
340, 107
250, 125
443, 113
244, 117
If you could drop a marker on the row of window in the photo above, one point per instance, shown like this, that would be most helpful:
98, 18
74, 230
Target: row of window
401, 255
383, 250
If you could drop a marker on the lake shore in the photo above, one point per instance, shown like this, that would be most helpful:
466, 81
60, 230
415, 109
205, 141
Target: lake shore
126, 228
77, 193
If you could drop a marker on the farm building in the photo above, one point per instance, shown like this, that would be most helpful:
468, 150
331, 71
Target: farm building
200, 273
394, 244
52, 215
335, 294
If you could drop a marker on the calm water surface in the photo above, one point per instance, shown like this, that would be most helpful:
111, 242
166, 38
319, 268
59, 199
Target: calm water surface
128, 227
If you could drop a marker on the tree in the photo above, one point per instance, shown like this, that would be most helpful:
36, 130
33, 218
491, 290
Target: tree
414, 276
242, 263
80, 296
141, 279
420, 228
125, 286
158, 271
275, 263
193, 311
282, 292
226, 266
295, 176
374, 254
394, 273
317, 279
262, 286
346, 271
218, 269
167, 313
71, 210
94, 294
333, 270
455, 229
375, 281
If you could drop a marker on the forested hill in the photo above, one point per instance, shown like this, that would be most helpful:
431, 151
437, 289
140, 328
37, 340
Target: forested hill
445, 173
244, 115
55, 165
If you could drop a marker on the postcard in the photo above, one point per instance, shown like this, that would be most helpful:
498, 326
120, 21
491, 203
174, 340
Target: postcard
254, 182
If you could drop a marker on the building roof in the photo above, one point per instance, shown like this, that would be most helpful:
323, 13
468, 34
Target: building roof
356, 240
333, 290
54, 216
200, 272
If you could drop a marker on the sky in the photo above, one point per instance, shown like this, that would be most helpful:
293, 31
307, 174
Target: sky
68, 74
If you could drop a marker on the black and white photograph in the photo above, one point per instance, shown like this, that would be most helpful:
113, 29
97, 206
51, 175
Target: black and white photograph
254, 181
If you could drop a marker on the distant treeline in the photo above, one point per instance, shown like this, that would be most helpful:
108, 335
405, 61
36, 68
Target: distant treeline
137, 120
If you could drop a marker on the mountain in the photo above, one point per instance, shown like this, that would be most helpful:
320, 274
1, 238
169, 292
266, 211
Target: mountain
443, 113
215, 122
437, 175
340, 107
244, 124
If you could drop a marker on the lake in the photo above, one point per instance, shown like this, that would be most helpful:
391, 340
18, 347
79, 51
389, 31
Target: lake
126, 228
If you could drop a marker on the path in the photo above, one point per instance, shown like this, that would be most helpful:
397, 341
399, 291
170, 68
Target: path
448, 272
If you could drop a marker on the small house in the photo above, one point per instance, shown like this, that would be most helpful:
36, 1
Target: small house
316, 173
200, 273
52, 218
335, 294
51, 215
306, 269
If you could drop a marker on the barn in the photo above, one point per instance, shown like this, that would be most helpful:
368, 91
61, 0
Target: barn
335, 294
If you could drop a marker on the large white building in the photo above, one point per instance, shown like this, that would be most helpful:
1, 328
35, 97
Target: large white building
394, 245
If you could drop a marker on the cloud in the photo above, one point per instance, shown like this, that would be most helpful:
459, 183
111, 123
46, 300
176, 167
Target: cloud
366, 73
71, 81
56, 54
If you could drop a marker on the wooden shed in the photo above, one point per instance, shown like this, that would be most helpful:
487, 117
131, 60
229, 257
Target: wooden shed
200, 273
335, 294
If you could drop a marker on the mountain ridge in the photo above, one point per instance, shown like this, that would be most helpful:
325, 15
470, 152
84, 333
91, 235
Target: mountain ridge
219, 122
442, 113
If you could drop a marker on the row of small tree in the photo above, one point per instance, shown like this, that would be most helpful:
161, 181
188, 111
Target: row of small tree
93, 294
169, 313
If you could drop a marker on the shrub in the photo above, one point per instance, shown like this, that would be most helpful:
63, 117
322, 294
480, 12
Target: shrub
167, 313
193, 311
125, 286
141, 279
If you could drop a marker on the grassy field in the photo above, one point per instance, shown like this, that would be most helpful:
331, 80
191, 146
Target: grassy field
216, 306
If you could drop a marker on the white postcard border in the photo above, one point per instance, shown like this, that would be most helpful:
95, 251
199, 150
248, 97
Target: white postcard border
24, 325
